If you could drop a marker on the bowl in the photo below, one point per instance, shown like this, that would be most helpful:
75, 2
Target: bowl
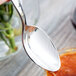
10, 33
62, 52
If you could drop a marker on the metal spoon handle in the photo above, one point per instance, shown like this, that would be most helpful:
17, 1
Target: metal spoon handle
20, 11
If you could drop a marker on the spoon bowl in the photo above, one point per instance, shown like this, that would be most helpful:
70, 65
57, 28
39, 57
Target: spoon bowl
41, 49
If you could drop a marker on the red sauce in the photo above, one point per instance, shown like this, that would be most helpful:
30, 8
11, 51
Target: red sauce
68, 65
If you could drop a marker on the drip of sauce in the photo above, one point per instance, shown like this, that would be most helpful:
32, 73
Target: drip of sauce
68, 65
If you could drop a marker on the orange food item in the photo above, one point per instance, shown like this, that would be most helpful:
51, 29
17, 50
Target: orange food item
30, 28
68, 65
3, 1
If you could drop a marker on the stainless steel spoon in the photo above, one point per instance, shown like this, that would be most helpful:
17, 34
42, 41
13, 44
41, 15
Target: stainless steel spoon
37, 44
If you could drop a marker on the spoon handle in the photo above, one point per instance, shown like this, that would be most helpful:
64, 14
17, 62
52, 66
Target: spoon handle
24, 17
19, 9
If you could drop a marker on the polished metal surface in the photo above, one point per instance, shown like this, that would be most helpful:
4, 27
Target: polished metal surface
41, 49
38, 45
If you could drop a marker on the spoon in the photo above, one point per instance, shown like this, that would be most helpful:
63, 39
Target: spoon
37, 43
